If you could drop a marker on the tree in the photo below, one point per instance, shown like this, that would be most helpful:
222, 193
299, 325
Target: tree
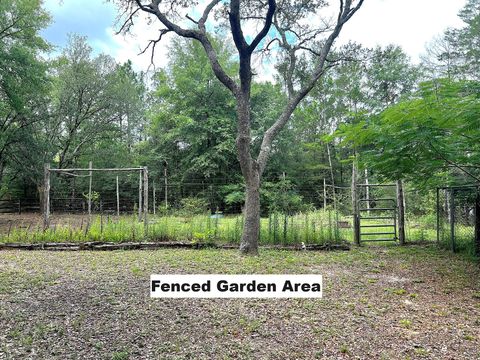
432, 135
23, 80
390, 75
456, 54
84, 101
294, 26
192, 116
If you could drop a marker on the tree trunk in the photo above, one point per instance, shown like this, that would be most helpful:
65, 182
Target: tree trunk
332, 176
251, 174
41, 197
251, 227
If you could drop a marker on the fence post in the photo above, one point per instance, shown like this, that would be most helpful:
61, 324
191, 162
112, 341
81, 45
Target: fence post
367, 192
324, 195
90, 173
154, 199
145, 198
118, 200
46, 197
140, 195
477, 223
165, 165
401, 213
438, 216
452, 218
356, 220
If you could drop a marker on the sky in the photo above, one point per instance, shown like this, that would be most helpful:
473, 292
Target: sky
408, 23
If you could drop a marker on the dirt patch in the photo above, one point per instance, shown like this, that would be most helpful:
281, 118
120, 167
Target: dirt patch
96, 305
34, 221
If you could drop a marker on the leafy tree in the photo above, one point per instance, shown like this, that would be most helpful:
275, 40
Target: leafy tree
275, 20
23, 81
456, 55
192, 117
389, 76
85, 106
432, 134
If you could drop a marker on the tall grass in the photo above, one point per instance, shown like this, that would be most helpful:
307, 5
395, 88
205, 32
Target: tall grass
317, 227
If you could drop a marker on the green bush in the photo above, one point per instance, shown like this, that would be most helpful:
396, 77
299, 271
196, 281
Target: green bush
193, 206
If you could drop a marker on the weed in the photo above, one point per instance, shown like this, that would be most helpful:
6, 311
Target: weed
407, 324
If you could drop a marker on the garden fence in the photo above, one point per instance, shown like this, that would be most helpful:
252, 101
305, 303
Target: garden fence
457, 217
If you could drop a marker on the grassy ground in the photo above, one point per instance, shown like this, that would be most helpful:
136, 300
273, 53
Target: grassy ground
379, 303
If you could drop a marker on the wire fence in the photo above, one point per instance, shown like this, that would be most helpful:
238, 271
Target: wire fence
200, 211
456, 216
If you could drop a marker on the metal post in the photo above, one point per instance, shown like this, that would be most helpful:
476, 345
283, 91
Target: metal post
324, 195
438, 216
367, 191
140, 195
452, 218
477, 223
165, 165
154, 199
90, 189
46, 197
145, 198
356, 220
401, 213
118, 200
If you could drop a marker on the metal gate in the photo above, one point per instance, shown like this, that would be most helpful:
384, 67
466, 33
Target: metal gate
377, 216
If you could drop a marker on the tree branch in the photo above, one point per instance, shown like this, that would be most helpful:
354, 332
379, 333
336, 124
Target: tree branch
272, 5
345, 13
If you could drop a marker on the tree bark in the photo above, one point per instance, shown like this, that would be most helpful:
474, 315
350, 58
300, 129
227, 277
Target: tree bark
251, 227
251, 173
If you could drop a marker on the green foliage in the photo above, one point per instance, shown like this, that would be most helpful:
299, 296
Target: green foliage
23, 80
193, 206
192, 127
417, 138
282, 197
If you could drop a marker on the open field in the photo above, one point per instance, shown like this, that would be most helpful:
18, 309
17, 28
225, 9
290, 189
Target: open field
379, 303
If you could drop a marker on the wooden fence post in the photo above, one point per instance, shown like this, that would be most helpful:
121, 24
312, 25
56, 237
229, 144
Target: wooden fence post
118, 199
401, 213
46, 197
140, 195
145, 198
90, 173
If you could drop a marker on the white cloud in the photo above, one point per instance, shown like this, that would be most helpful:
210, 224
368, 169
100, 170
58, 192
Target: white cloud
408, 23
125, 47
